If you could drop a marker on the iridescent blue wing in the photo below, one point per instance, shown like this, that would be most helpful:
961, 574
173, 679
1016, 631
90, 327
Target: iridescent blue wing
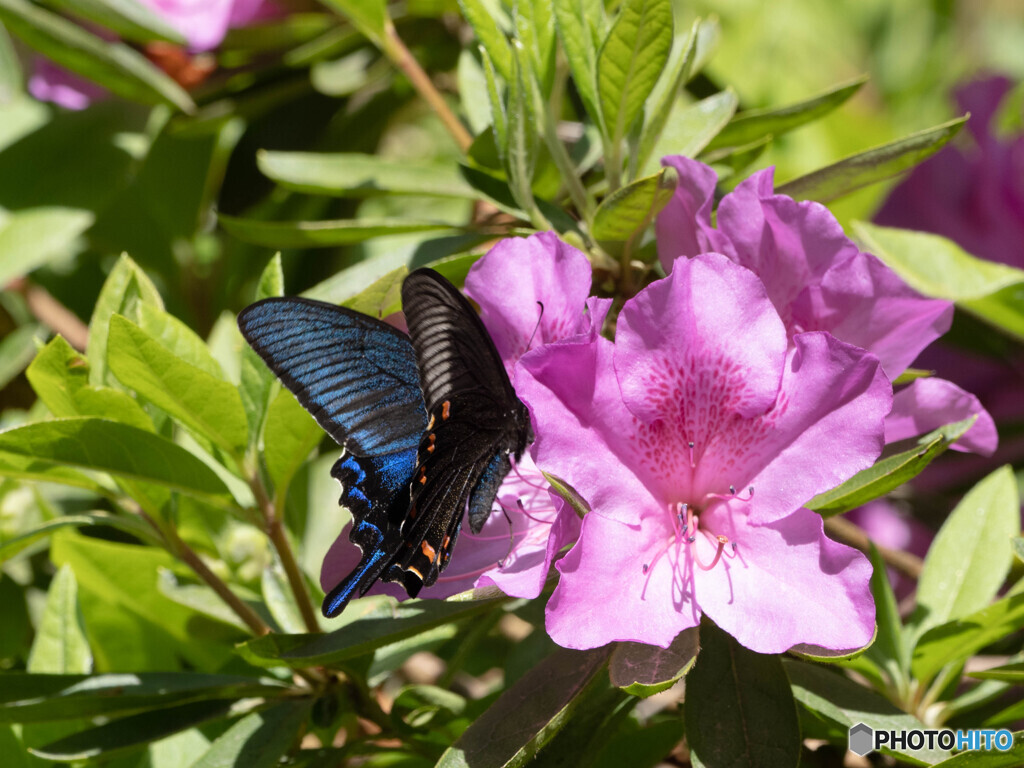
357, 376
475, 423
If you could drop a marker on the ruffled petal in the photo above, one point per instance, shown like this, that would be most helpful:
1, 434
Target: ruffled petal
684, 226
927, 404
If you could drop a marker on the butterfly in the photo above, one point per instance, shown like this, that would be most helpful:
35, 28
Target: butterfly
428, 421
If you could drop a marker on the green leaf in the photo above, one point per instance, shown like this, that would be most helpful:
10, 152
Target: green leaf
644, 670
499, 122
383, 297
17, 349
630, 62
692, 126
125, 291
320, 234
210, 407
754, 124
177, 338
133, 731
370, 17
1009, 673
60, 377
529, 713
130, 525
936, 266
258, 740
888, 650
568, 494
279, 601
351, 174
128, 18
992, 758
490, 35
575, 21
957, 640
290, 434
107, 446
535, 29
521, 154
256, 380
665, 95
114, 65
629, 209
970, 557
739, 706
888, 473
874, 165
360, 637
42, 698
36, 236
833, 697
60, 646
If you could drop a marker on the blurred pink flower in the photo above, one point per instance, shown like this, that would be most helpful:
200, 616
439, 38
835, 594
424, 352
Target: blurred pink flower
701, 392
817, 279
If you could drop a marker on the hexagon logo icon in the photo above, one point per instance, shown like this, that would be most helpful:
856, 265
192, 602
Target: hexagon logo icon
861, 739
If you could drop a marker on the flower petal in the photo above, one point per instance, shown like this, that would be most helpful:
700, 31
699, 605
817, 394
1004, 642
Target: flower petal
788, 584
684, 226
928, 404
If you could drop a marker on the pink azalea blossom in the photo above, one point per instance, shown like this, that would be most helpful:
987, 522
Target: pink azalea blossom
516, 546
702, 391
816, 277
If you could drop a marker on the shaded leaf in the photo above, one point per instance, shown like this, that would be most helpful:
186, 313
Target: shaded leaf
17, 349
258, 740
370, 17
576, 21
33, 237
321, 234
992, 758
130, 525
129, 19
644, 670
60, 645
629, 209
1009, 673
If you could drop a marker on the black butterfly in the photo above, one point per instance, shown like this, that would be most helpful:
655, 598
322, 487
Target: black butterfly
428, 421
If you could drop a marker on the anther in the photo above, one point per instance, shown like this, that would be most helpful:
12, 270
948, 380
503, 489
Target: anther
693, 463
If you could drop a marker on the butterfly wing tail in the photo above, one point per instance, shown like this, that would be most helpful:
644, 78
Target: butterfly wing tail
379, 550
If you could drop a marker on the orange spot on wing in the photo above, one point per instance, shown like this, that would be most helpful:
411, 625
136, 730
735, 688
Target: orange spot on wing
428, 551
430, 447
446, 408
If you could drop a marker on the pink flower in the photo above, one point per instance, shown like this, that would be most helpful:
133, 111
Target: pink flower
817, 279
515, 548
700, 392
50, 82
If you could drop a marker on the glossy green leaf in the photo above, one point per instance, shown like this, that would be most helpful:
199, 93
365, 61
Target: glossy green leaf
871, 166
370, 17
485, 26
256, 380
754, 124
888, 473
957, 640
60, 377
665, 96
177, 338
530, 713
36, 236
114, 65
970, 557
576, 20
835, 698
739, 706
258, 740
133, 731
129, 19
629, 209
691, 127
125, 291
630, 62
290, 435
351, 174
60, 646
130, 525
320, 234
644, 670
360, 637
38, 698
938, 267
107, 446
210, 407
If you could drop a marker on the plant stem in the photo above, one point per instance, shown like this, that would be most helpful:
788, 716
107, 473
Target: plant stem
275, 530
395, 50
849, 533
52, 313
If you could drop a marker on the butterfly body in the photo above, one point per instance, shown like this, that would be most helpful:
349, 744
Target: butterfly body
428, 421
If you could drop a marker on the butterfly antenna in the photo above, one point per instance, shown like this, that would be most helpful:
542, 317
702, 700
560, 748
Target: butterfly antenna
537, 326
511, 536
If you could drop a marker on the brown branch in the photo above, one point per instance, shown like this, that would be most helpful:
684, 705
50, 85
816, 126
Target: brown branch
843, 530
51, 313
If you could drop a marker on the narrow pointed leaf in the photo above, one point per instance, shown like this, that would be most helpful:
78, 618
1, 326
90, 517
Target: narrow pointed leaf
210, 407
872, 166
576, 30
888, 649
114, 65
499, 121
60, 645
370, 17
351, 174
729, 719
130, 525
490, 35
529, 714
754, 124
130, 19
631, 60
1009, 673
321, 234
665, 95
521, 155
